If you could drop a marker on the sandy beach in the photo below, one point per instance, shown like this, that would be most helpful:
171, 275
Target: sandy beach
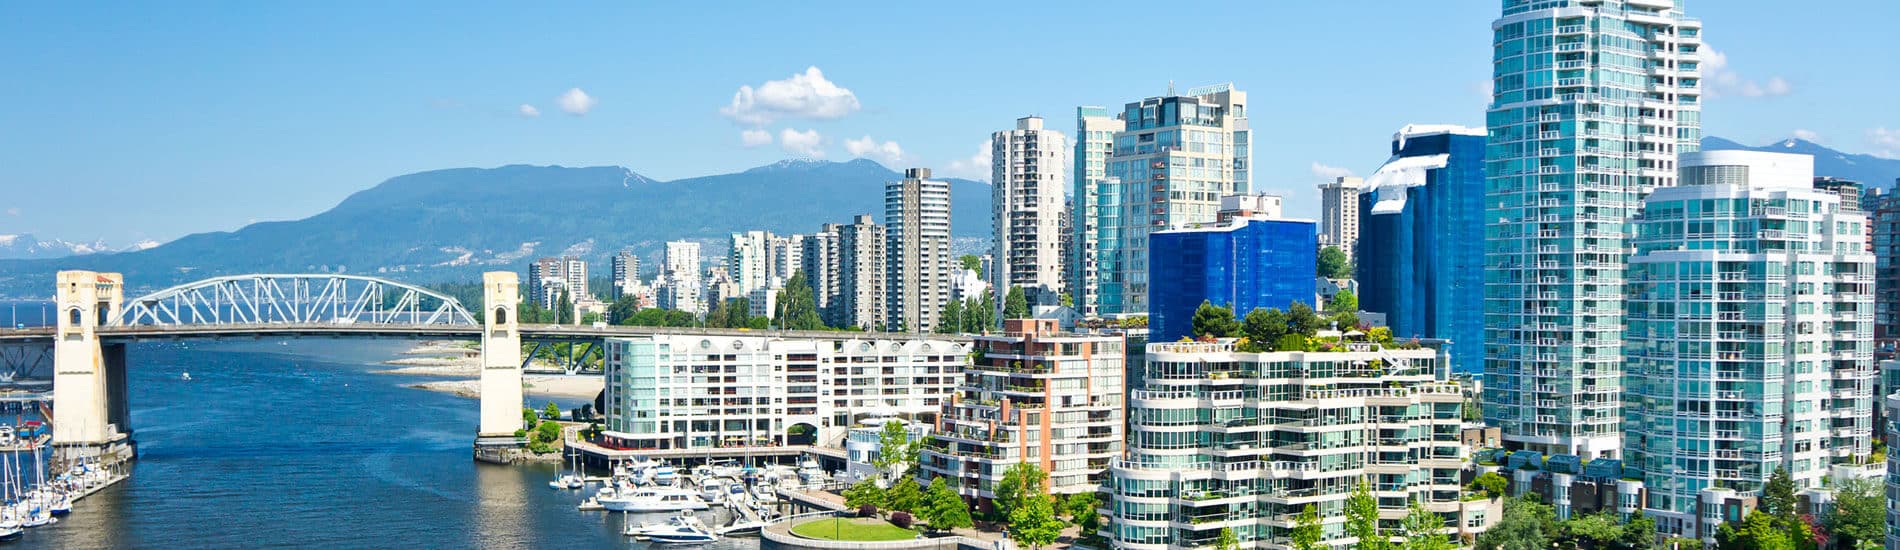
453, 360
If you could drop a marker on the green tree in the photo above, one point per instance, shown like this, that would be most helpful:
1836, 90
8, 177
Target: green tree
529, 418
984, 314
904, 495
1362, 519
1425, 529
1306, 529
1333, 263
897, 452
1066, 300
1600, 530
943, 509
971, 262
1859, 513
1302, 320
1034, 522
1015, 304
1491, 483
1226, 539
1344, 302
1757, 532
623, 308
1021, 482
950, 321
1525, 526
1213, 320
553, 410
1081, 510
864, 493
1777, 498
798, 305
564, 309
1263, 327
1639, 533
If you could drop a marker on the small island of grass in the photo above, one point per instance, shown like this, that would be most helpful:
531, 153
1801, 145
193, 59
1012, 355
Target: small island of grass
852, 529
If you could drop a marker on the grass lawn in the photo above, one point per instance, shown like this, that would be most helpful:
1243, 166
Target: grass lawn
852, 529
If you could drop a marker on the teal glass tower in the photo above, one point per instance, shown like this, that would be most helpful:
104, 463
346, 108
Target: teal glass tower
1592, 100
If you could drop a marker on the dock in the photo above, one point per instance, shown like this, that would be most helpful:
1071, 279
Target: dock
88, 491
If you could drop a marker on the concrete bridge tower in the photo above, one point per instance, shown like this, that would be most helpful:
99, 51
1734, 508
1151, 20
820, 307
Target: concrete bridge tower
89, 401
501, 361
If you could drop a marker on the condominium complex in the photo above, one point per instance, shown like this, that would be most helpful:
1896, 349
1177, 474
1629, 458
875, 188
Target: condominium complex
918, 265
680, 391
1420, 253
1174, 160
1097, 204
1885, 217
548, 277
1591, 102
1251, 258
818, 258
1026, 185
1749, 345
1339, 213
861, 276
681, 260
749, 261
1225, 440
1034, 395
626, 272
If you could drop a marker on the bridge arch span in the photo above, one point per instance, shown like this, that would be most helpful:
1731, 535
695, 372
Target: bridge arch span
264, 299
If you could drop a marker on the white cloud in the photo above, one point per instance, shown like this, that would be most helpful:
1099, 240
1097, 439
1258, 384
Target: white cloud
1886, 141
805, 144
1329, 172
15, 211
528, 110
1805, 134
755, 137
1720, 81
576, 102
805, 95
887, 152
977, 167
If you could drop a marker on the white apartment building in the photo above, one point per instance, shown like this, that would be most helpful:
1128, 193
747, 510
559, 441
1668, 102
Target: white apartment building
704, 390
861, 275
749, 262
626, 274
1749, 344
1177, 156
1037, 395
1097, 201
1027, 181
681, 261
1339, 213
818, 258
918, 264
1222, 439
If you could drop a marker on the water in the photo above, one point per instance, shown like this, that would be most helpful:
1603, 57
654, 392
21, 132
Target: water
25, 312
274, 445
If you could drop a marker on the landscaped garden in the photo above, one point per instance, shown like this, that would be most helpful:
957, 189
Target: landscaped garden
852, 529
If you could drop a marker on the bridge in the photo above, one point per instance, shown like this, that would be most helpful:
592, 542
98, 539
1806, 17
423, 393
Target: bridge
85, 348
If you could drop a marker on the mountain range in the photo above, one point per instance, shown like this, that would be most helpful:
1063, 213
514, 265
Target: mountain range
450, 225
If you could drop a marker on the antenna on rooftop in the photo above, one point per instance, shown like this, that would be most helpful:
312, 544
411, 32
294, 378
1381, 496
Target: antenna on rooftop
1170, 87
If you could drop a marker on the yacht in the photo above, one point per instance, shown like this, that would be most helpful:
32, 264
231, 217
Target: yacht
712, 489
681, 529
654, 500
665, 475
11, 531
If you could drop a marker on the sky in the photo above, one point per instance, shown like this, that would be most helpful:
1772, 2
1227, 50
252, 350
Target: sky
135, 121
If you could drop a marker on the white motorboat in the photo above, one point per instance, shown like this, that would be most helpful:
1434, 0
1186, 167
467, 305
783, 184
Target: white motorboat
765, 494
665, 475
712, 489
654, 500
569, 481
681, 529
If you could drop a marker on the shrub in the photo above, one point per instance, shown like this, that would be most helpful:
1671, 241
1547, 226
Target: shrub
867, 511
901, 519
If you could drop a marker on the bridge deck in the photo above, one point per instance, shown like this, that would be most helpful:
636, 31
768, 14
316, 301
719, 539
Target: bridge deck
135, 333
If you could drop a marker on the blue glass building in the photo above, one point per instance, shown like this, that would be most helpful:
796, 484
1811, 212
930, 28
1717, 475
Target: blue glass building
1421, 240
1246, 263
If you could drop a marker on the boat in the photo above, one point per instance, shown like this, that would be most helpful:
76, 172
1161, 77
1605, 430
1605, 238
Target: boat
681, 529
665, 475
765, 494
591, 504
712, 489
654, 500
569, 481
186, 377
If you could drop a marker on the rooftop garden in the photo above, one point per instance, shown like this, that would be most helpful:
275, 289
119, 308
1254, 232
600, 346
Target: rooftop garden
1296, 329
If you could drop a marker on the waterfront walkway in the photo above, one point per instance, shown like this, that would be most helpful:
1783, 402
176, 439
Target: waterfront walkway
593, 450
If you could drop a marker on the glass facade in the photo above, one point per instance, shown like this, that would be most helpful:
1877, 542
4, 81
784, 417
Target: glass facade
1248, 263
1421, 241
1097, 205
1591, 103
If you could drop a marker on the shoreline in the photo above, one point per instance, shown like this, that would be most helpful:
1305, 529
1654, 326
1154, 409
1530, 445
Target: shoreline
461, 368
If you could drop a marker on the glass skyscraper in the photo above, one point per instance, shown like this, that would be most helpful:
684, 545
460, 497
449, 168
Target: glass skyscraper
1750, 340
1097, 204
1249, 262
1174, 160
1591, 102
1421, 239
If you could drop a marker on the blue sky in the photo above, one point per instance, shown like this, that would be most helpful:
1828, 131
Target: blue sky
171, 118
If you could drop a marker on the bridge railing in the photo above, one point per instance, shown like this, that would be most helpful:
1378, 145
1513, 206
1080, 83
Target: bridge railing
271, 299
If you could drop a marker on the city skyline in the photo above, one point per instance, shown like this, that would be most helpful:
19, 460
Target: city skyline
287, 114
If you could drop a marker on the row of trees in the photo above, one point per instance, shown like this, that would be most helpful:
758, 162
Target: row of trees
978, 314
1422, 529
1858, 519
1269, 329
1034, 517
